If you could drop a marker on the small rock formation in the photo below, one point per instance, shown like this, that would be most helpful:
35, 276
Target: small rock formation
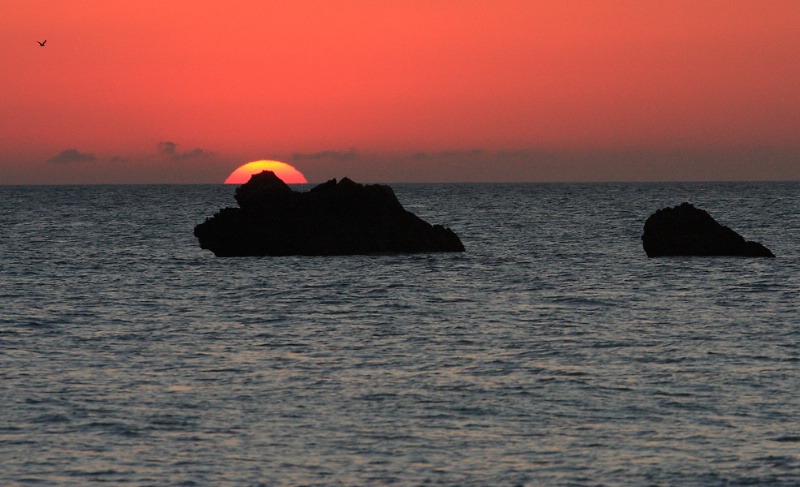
688, 231
343, 218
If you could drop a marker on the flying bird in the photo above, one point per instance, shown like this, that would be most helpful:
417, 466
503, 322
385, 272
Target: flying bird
42, 43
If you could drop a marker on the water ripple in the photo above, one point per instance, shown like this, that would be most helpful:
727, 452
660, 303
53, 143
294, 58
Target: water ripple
552, 352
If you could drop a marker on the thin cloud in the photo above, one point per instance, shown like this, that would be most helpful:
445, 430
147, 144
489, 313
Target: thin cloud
447, 154
167, 148
70, 156
170, 149
328, 154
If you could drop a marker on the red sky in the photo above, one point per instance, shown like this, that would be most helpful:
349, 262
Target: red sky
185, 91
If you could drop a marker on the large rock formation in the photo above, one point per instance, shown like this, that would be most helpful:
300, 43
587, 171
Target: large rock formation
334, 218
689, 231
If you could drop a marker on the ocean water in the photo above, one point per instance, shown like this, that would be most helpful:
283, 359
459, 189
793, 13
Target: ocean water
551, 352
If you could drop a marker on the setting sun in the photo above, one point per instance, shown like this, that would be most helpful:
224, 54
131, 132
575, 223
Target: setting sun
286, 172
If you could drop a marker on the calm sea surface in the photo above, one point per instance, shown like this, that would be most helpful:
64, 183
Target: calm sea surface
552, 352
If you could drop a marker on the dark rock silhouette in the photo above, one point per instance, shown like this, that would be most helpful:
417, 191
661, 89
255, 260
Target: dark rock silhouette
688, 231
334, 218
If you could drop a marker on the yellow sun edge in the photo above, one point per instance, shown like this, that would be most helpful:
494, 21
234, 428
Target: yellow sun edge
286, 172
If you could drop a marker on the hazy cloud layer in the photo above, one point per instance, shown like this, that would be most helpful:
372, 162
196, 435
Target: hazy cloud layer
71, 155
513, 154
167, 148
328, 154
447, 154
192, 154
170, 149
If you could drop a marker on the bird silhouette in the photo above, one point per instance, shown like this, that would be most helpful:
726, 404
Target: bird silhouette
42, 43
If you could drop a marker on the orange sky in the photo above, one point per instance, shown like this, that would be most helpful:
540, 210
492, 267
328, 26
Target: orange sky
393, 91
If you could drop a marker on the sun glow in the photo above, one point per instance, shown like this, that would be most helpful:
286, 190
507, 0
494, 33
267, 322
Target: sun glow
286, 172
